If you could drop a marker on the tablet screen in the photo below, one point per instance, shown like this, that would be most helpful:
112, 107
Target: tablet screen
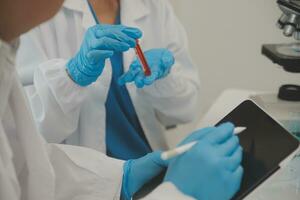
265, 144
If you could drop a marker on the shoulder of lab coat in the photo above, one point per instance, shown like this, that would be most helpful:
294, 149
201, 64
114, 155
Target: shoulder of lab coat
167, 191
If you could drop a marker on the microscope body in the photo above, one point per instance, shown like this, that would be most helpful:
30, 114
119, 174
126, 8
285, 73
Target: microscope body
287, 55
289, 21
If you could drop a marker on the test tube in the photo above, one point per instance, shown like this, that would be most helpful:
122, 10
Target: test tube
141, 56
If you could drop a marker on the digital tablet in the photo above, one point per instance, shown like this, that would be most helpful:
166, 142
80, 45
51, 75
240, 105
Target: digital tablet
266, 145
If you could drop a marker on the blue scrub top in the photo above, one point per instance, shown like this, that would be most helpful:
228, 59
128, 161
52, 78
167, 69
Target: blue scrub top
125, 137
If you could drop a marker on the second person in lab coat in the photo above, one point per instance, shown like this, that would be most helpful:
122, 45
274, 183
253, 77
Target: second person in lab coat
124, 121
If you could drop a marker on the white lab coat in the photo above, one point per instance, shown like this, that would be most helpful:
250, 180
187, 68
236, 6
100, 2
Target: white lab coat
67, 113
31, 169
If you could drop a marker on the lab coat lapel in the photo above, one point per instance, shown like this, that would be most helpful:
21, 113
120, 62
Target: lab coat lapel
132, 14
7, 57
88, 18
77, 5
83, 7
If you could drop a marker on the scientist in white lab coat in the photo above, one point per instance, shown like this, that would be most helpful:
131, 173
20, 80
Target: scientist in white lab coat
31, 169
82, 103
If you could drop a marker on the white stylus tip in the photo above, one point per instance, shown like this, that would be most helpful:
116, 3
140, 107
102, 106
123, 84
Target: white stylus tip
238, 130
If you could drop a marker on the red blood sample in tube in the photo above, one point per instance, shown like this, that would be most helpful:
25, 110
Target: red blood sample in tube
141, 56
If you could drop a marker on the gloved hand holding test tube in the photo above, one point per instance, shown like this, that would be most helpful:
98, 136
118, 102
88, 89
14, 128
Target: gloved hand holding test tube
148, 67
184, 148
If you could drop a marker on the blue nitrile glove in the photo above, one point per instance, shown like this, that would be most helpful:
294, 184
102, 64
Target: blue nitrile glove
160, 62
140, 171
100, 42
211, 170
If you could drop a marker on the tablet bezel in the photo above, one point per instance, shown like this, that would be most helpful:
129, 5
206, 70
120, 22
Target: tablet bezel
276, 168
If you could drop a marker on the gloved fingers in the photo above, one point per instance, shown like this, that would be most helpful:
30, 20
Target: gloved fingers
167, 59
234, 161
222, 133
95, 62
166, 72
117, 35
106, 43
150, 79
95, 56
135, 64
139, 80
229, 147
235, 181
197, 135
167, 62
133, 32
129, 76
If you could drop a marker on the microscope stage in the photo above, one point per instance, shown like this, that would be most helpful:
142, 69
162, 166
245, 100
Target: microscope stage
285, 55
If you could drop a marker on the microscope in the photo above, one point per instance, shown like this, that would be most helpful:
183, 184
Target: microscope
286, 104
287, 55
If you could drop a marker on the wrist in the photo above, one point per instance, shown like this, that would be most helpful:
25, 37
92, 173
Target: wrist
68, 73
77, 76
125, 182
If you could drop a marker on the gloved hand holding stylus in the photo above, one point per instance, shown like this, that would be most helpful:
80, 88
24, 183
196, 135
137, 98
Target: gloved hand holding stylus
100, 42
211, 170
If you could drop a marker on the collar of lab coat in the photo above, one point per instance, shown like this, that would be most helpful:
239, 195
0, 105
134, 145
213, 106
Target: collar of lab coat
136, 9
7, 63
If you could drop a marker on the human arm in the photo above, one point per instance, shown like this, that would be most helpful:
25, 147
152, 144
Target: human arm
212, 165
56, 99
50, 88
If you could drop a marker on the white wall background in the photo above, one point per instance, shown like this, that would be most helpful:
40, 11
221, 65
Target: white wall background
225, 42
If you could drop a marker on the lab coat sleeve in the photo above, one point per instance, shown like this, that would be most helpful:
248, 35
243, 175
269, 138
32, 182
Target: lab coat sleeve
175, 97
55, 101
167, 191
82, 173
32, 169
54, 98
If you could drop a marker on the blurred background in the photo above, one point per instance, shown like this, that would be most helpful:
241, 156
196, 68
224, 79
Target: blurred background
225, 41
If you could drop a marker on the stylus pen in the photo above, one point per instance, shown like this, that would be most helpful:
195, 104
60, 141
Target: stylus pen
182, 149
